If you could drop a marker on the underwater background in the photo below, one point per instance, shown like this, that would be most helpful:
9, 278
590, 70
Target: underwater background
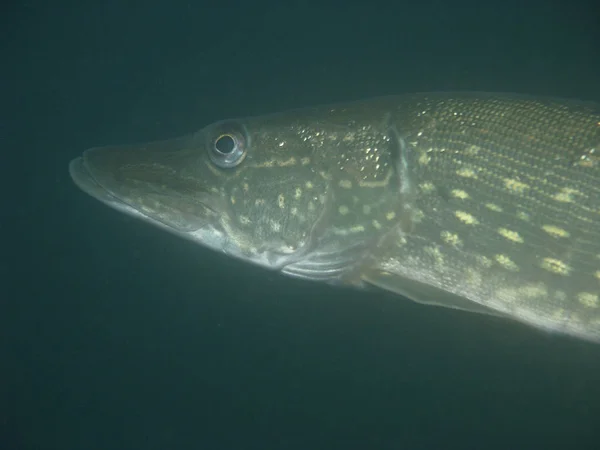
116, 335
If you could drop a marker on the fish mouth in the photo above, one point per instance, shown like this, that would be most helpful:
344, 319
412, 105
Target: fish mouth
148, 183
84, 180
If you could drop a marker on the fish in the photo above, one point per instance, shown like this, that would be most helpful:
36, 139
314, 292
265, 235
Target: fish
481, 202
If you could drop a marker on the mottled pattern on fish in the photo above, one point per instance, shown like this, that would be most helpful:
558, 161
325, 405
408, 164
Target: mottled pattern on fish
483, 202
508, 206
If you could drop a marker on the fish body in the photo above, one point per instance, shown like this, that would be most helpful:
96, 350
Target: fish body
481, 202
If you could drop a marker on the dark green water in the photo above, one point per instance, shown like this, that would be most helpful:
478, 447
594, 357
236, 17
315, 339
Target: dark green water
117, 336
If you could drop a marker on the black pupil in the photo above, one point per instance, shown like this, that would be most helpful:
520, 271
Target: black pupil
225, 144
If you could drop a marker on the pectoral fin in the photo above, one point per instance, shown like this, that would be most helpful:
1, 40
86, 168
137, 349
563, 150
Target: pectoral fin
423, 293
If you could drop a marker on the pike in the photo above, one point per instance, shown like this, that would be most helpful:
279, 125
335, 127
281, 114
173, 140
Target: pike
481, 202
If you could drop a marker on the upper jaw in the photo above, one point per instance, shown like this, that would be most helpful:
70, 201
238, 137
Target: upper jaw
84, 180
155, 186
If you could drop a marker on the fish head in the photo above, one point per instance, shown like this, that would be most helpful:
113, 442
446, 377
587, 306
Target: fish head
303, 193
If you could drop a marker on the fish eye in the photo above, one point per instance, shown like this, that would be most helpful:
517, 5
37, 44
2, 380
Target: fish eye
227, 147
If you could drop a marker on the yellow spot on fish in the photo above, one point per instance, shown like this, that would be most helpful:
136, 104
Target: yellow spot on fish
597, 274
297, 193
459, 193
588, 299
466, 172
309, 185
401, 241
472, 150
357, 229
417, 215
534, 290
366, 209
450, 238
343, 210
232, 199
424, 159
466, 218
325, 175
510, 235
523, 216
377, 225
484, 261
346, 184
287, 162
555, 266
493, 207
565, 195
555, 231
281, 201
518, 187
427, 187
391, 215
507, 263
